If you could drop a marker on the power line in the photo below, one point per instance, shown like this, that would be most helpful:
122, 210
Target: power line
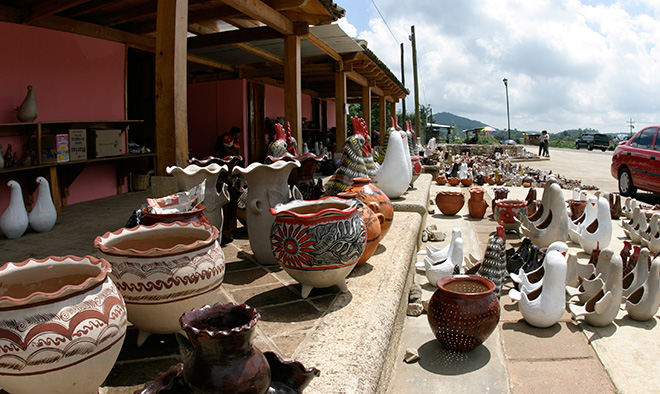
386, 24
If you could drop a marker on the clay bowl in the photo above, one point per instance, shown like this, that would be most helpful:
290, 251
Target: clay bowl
453, 181
467, 182
441, 179
195, 215
449, 202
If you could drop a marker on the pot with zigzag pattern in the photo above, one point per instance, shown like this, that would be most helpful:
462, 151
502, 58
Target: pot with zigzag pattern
164, 270
62, 325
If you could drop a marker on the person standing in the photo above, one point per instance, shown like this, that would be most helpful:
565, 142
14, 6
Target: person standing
546, 143
542, 138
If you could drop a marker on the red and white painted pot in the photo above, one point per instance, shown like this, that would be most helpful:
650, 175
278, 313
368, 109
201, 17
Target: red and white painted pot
164, 270
62, 325
318, 242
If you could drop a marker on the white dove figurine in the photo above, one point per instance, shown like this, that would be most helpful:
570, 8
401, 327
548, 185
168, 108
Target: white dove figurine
44, 215
14, 221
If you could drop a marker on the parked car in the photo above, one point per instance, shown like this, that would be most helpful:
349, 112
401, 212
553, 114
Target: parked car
635, 162
592, 140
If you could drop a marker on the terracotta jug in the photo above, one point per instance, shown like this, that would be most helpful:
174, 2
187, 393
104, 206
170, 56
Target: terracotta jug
372, 221
375, 199
476, 204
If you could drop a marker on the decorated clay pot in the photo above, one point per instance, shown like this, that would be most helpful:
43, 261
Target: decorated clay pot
416, 162
449, 202
303, 177
476, 204
164, 270
318, 242
372, 221
194, 215
576, 207
375, 199
62, 325
223, 358
500, 193
463, 312
453, 181
506, 211
441, 179
466, 181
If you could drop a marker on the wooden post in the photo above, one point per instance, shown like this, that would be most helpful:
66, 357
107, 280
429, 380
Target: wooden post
418, 129
292, 87
340, 109
383, 114
366, 106
171, 84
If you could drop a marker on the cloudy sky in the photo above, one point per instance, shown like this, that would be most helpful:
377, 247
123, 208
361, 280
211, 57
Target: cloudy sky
569, 63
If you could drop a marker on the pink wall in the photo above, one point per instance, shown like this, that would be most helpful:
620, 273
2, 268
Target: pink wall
332, 117
74, 77
274, 105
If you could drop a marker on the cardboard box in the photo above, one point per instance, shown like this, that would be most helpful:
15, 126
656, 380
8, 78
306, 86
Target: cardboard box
77, 144
54, 148
103, 143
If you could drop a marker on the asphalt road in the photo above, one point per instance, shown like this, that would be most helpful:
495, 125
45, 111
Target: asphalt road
590, 167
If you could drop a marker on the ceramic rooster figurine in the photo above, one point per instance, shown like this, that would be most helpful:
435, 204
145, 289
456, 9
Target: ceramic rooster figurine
360, 128
493, 266
351, 166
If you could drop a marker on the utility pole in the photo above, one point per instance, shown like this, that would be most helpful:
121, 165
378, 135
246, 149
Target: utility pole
403, 82
631, 124
414, 54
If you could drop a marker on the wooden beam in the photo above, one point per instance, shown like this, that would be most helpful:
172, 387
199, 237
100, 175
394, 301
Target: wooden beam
171, 96
48, 8
340, 109
210, 63
393, 108
357, 78
366, 106
258, 10
286, 4
377, 91
320, 44
260, 52
292, 87
383, 114
233, 37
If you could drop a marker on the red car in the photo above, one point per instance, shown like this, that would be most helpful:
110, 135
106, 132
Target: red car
636, 162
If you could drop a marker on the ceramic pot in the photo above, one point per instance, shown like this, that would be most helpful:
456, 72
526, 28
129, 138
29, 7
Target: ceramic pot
303, 177
576, 207
62, 325
375, 199
449, 202
267, 187
500, 193
506, 211
223, 357
476, 204
441, 179
193, 175
467, 182
463, 312
196, 215
318, 242
453, 181
372, 221
416, 162
164, 270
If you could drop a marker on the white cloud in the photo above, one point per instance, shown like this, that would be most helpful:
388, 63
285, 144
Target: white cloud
569, 64
347, 27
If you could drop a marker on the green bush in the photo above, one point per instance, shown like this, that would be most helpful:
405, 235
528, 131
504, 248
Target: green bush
562, 144
487, 139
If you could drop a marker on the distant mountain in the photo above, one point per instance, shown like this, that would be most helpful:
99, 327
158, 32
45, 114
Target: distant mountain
461, 122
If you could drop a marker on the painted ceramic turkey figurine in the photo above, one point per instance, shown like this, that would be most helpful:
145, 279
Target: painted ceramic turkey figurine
643, 303
545, 305
14, 221
555, 225
493, 266
279, 146
395, 174
44, 215
639, 273
450, 266
351, 166
599, 231
601, 309
360, 128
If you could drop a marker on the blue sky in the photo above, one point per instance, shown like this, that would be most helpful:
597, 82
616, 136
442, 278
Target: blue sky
570, 63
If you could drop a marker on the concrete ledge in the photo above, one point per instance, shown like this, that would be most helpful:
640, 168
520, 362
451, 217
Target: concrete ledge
416, 199
355, 342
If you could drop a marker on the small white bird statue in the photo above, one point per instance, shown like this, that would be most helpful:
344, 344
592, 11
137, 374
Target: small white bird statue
639, 273
598, 233
643, 303
592, 284
555, 226
14, 221
439, 254
636, 224
534, 279
588, 216
435, 271
651, 230
44, 215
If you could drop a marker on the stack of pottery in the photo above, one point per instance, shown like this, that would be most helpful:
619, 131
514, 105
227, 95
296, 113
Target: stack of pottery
318, 242
164, 270
62, 325
449, 202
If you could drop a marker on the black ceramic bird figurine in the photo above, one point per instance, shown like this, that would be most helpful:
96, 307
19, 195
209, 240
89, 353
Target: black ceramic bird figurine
516, 258
534, 260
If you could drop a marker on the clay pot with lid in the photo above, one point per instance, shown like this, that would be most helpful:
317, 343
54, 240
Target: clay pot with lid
375, 199
449, 202
372, 220
463, 312
476, 204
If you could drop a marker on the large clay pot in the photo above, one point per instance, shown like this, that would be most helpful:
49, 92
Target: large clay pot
62, 325
576, 207
318, 242
164, 270
463, 312
195, 215
223, 358
267, 187
476, 204
449, 202
372, 221
375, 199
507, 211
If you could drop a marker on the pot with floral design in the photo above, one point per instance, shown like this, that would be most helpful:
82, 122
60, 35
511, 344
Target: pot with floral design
164, 270
62, 325
506, 211
318, 242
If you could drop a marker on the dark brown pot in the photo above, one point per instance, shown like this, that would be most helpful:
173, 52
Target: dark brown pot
372, 220
615, 205
467, 181
196, 215
441, 179
500, 193
449, 203
223, 358
576, 207
375, 199
453, 181
476, 204
531, 205
463, 312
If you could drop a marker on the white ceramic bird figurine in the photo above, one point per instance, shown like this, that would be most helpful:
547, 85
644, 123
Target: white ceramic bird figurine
583, 195
44, 215
639, 273
598, 233
589, 214
576, 193
601, 309
572, 270
534, 279
438, 254
643, 303
591, 285
628, 207
447, 267
542, 211
653, 241
545, 305
636, 224
651, 229
555, 226
14, 221
393, 180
